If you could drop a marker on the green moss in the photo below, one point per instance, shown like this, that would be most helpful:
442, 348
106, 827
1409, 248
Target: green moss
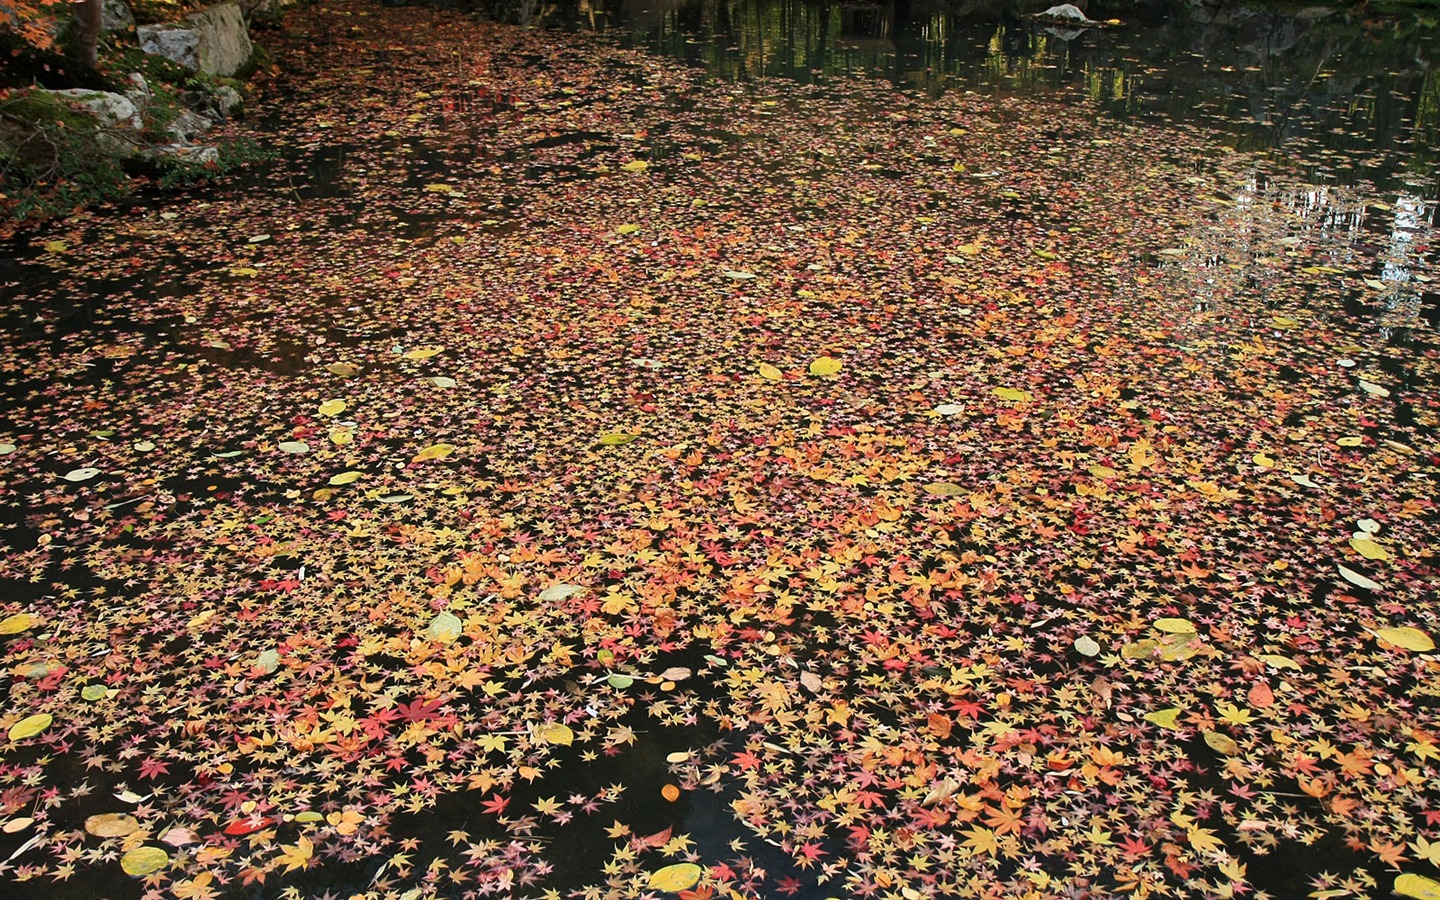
41, 110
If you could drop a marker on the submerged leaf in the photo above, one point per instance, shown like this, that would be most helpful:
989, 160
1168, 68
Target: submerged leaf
445, 628
108, 825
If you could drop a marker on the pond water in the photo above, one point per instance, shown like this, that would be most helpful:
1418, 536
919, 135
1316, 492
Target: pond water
742, 450
1345, 98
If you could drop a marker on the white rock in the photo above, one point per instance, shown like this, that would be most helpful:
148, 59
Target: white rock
213, 40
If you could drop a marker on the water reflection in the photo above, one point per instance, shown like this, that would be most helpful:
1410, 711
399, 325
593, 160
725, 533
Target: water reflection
1356, 99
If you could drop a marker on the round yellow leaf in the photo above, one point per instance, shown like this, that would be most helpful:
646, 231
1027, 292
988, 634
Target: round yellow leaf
1103, 472
1352, 441
676, 878
1014, 394
30, 726
422, 352
1221, 743
344, 478
616, 438
1417, 886
770, 373
332, 407
342, 369
434, 451
1264, 461
1369, 549
1406, 638
825, 365
555, 733
1174, 626
108, 825
144, 860
1165, 718
944, 489
638, 165
16, 623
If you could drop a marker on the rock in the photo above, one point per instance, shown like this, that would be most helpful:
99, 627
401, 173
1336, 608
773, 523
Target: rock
187, 125
181, 152
213, 40
175, 42
109, 110
219, 103
117, 120
227, 102
115, 15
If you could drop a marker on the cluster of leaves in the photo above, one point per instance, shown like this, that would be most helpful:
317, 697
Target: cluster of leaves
906, 497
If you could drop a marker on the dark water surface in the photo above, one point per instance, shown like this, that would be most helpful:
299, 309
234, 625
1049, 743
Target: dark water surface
1347, 98
1201, 240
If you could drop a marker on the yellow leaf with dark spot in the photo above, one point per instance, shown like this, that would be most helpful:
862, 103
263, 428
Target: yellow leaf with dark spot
144, 860
676, 878
108, 825
825, 365
1221, 743
434, 451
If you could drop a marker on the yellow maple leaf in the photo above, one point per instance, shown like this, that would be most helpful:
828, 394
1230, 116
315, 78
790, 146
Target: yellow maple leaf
981, 840
297, 855
1233, 714
1203, 839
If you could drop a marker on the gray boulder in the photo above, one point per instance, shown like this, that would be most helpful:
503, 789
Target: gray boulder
191, 154
117, 120
115, 15
187, 125
109, 110
213, 40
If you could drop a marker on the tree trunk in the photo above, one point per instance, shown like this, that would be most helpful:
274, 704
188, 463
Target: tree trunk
87, 32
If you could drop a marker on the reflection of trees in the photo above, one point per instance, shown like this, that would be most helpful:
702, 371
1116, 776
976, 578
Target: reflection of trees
1267, 78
